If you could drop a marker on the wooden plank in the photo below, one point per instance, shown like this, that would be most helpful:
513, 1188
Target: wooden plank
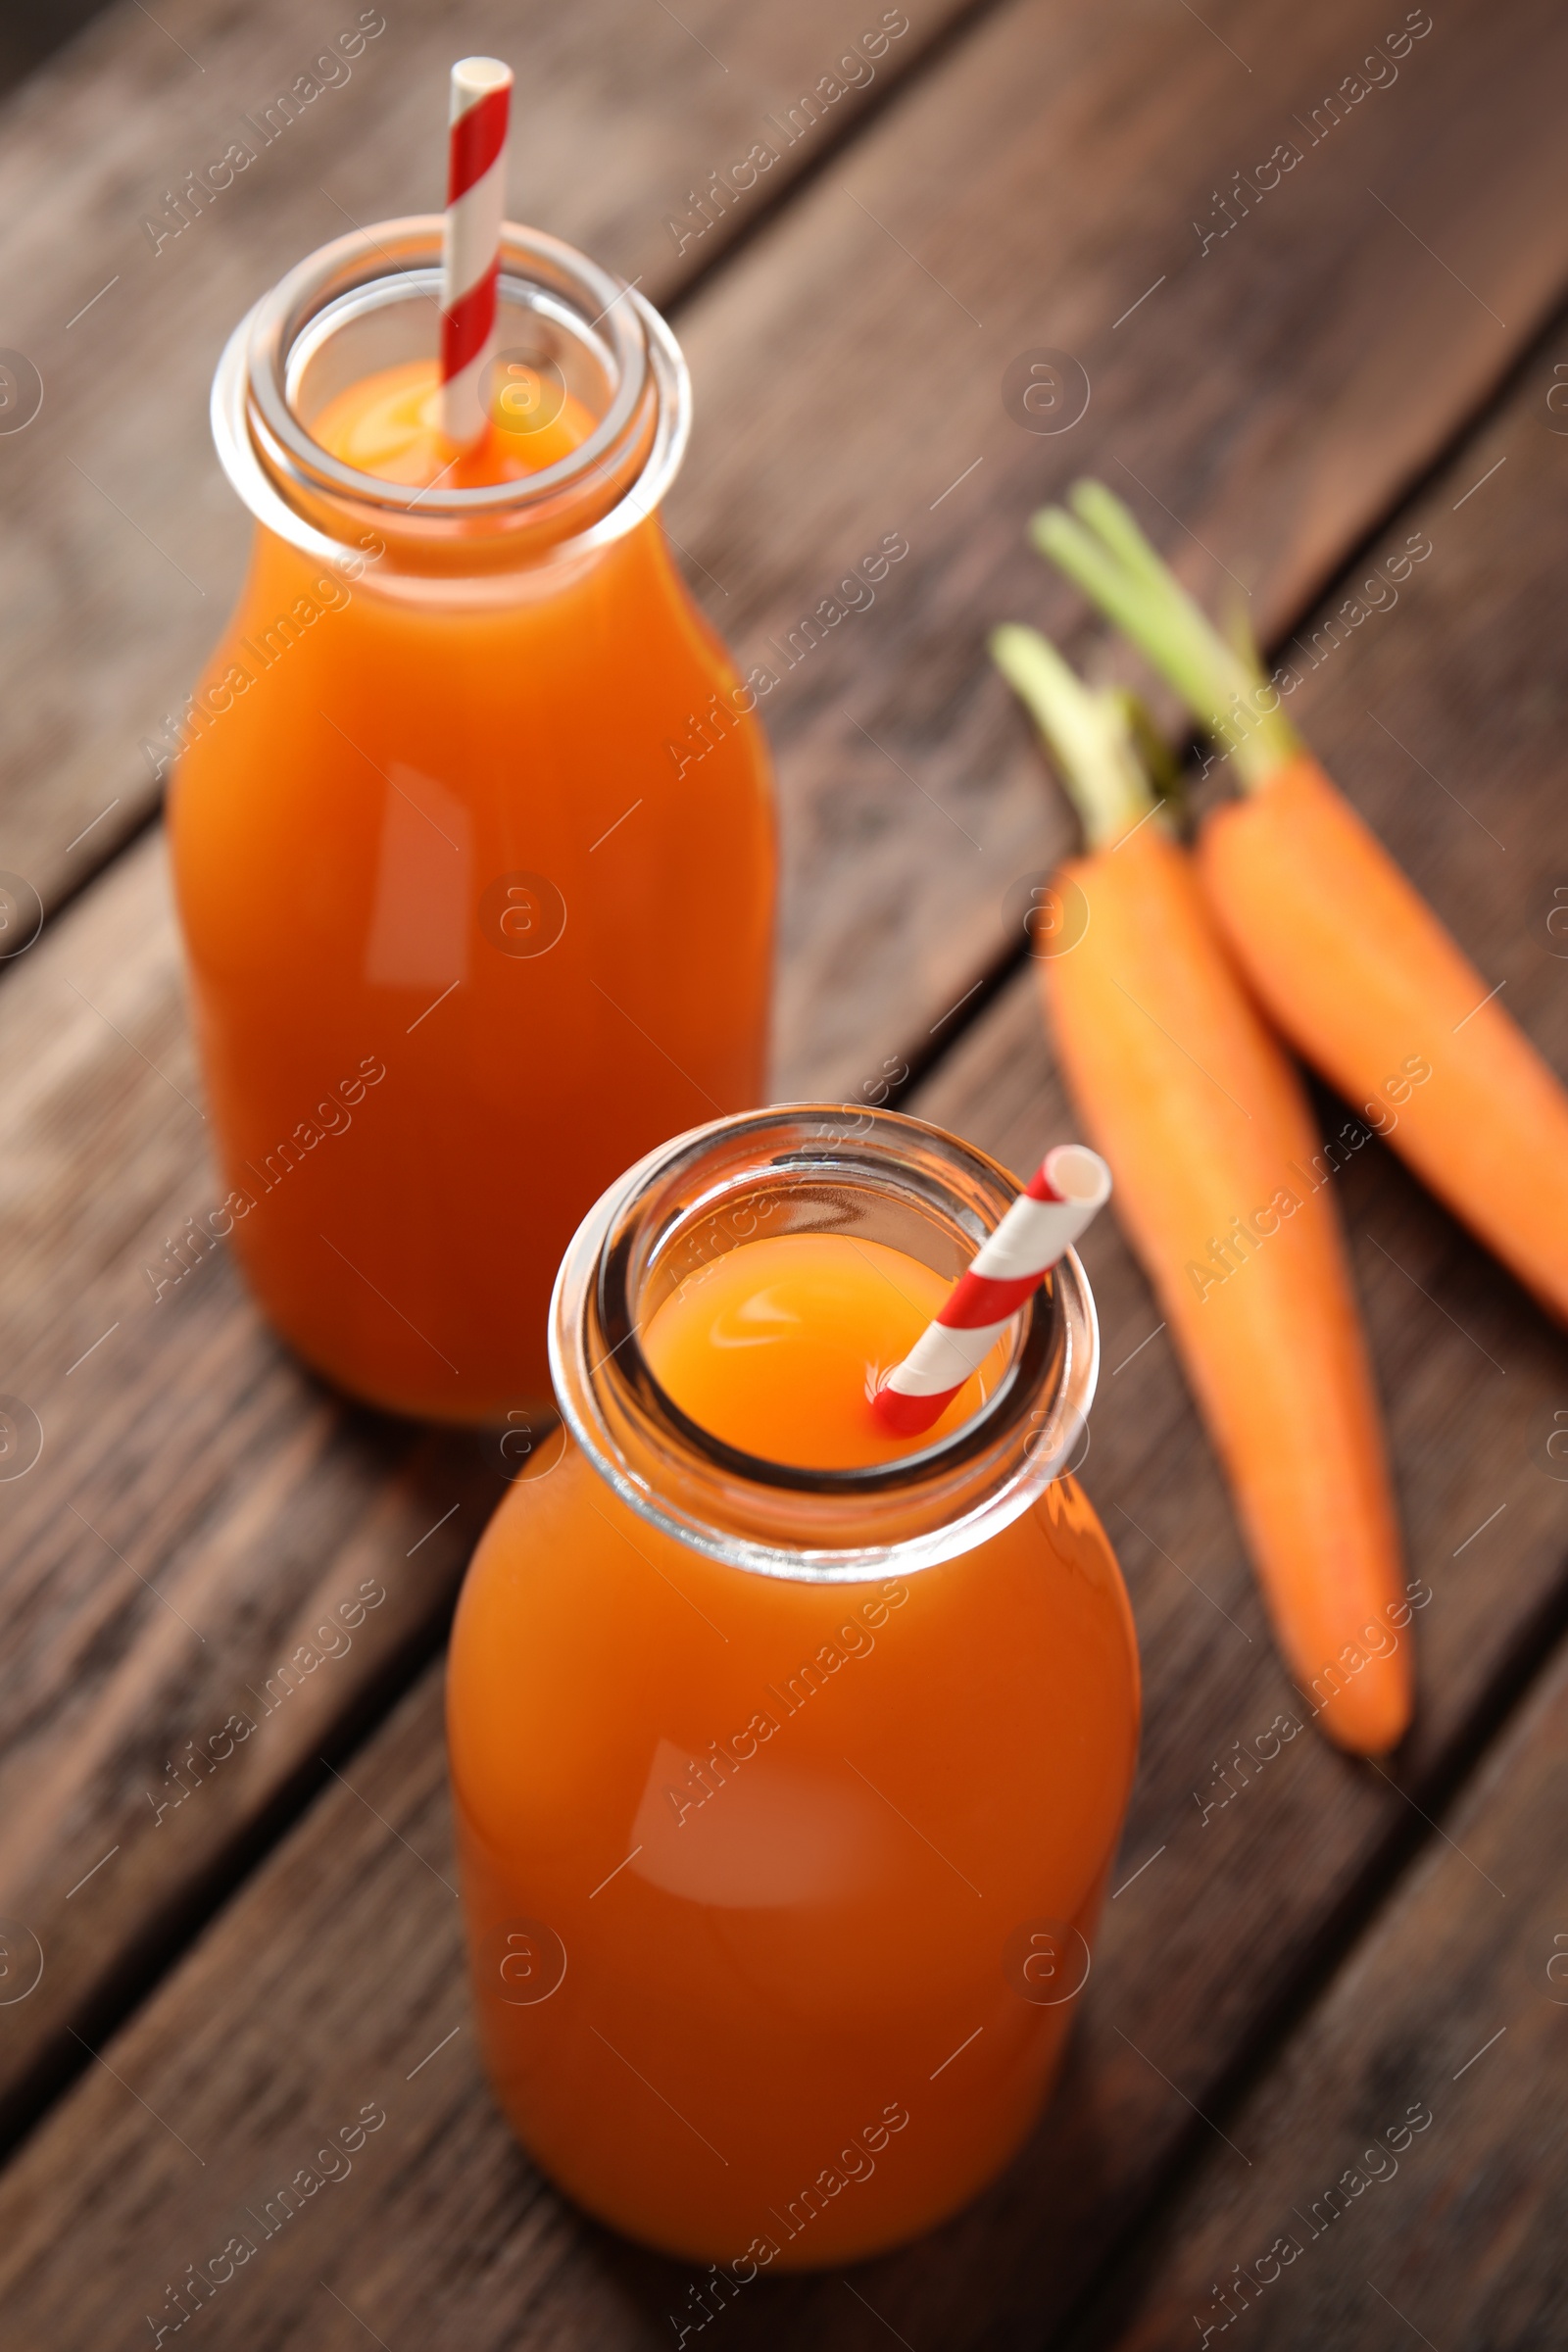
104, 1178
1407, 2147
299, 1983
1055, 128
26, 41
1273, 393
126, 541
86, 1254
200, 1509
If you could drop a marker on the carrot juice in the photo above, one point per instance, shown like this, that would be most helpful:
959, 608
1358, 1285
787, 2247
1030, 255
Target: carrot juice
472, 823
790, 1756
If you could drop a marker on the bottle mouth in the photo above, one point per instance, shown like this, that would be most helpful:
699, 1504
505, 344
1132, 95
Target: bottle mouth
810, 1168
371, 300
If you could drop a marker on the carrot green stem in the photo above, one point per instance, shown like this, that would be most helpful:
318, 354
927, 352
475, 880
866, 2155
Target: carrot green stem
1091, 735
1100, 547
1157, 759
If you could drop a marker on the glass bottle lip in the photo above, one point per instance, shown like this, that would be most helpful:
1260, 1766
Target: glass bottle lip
360, 283
829, 1169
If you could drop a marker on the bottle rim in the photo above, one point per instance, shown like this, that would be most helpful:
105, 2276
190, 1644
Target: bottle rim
828, 1525
601, 490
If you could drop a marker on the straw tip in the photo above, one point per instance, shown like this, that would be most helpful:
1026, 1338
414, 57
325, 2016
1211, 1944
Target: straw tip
479, 76
1077, 1174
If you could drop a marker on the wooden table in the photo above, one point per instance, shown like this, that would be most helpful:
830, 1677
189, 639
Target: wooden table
1287, 384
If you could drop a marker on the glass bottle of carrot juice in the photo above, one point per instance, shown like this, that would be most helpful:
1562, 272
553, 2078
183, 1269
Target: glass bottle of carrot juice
472, 830
790, 1758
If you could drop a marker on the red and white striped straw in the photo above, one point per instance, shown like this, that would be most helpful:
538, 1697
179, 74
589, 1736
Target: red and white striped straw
1069, 1187
477, 201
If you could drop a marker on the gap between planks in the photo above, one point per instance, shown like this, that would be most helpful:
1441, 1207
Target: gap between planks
909, 73
993, 981
1535, 1656
166, 1940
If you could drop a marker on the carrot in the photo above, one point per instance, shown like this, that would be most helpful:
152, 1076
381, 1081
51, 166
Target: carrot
1207, 1128
1342, 951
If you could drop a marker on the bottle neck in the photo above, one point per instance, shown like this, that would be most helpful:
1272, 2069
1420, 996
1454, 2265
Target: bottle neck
812, 1168
370, 301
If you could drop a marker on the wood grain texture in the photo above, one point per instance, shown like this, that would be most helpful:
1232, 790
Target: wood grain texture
199, 1503
126, 541
1260, 401
200, 1509
184, 1449
26, 38
1274, 391
335, 1970
1455, 2004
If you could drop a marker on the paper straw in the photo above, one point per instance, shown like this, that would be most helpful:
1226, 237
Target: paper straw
1069, 1187
477, 194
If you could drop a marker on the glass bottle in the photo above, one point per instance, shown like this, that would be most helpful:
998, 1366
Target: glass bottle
786, 1799
472, 828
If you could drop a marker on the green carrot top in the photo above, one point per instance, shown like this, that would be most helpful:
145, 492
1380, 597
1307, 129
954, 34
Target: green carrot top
1224, 684
1101, 739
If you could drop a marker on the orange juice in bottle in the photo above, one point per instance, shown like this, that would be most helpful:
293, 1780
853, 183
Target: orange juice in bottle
790, 1757
472, 827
